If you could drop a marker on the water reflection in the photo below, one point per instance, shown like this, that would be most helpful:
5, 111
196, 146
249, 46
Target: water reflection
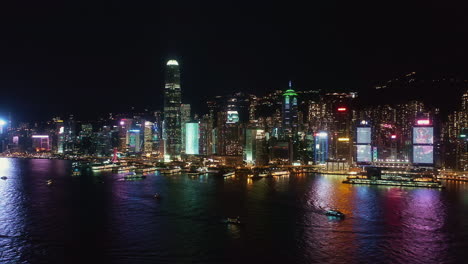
120, 221
11, 214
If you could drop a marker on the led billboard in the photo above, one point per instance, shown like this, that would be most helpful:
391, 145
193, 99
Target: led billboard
423, 154
423, 135
232, 117
364, 153
363, 135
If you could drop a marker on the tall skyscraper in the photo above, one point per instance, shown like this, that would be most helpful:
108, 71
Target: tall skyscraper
185, 117
172, 133
290, 119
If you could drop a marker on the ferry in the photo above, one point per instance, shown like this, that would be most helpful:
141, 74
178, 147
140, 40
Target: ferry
102, 167
126, 168
197, 170
132, 176
146, 170
170, 171
280, 173
416, 182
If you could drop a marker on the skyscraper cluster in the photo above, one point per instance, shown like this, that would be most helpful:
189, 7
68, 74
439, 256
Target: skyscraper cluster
285, 126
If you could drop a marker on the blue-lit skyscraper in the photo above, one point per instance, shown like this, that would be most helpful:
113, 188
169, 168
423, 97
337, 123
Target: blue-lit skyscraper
172, 133
321, 147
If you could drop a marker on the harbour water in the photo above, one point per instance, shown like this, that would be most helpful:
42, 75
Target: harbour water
99, 218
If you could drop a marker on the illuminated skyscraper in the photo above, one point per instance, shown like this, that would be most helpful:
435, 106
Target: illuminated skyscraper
321, 147
192, 135
148, 137
172, 133
185, 117
290, 111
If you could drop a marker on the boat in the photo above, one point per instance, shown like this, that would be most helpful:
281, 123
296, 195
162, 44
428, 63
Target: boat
157, 196
232, 220
229, 174
170, 171
133, 176
4, 177
149, 169
213, 170
102, 167
334, 213
126, 168
49, 182
280, 173
196, 170
395, 182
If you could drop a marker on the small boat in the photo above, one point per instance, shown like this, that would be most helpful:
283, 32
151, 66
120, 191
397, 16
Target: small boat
4, 177
133, 176
229, 174
334, 213
232, 220
49, 182
157, 196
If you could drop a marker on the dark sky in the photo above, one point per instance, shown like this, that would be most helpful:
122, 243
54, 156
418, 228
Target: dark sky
87, 57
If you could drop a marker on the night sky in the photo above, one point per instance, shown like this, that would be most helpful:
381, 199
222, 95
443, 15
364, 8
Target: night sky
88, 57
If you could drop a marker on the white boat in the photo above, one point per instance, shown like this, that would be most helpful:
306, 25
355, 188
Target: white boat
99, 167
229, 174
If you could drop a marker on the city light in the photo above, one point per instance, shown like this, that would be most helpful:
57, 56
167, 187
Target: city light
342, 109
343, 139
393, 136
2, 122
40, 136
423, 122
322, 134
172, 62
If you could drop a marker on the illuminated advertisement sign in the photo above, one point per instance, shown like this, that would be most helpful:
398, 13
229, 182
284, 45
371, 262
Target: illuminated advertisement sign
374, 153
232, 117
363, 135
364, 153
342, 109
423, 122
423, 135
423, 154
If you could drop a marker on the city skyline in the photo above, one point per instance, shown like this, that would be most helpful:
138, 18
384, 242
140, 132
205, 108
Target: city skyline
106, 53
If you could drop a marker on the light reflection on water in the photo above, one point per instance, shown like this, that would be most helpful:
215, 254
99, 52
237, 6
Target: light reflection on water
111, 221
